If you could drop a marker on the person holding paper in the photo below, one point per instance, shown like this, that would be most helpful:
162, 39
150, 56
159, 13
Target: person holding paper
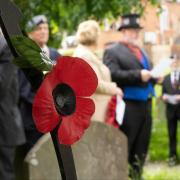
87, 36
171, 96
130, 69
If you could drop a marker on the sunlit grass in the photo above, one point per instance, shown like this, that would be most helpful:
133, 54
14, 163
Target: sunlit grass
158, 150
162, 172
157, 168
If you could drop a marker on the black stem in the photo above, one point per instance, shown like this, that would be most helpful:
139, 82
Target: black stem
65, 158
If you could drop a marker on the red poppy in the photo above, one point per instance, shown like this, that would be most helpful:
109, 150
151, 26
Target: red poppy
62, 99
111, 112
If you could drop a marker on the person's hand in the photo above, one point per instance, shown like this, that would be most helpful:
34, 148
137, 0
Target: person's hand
164, 98
119, 92
178, 97
145, 75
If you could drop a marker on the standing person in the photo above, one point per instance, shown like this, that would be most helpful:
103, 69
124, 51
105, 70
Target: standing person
130, 69
171, 96
87, 35
11, 128
38, 31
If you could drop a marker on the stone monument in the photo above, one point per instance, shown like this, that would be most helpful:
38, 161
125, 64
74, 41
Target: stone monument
100, 155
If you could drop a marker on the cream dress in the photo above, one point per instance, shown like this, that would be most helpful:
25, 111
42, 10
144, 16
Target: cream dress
106, 88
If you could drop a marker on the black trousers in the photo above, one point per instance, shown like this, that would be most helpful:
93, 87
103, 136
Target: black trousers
21, 167
172, 121
7, 155
137, 127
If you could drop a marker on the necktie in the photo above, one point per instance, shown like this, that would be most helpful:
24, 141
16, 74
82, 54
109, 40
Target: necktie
176, 79
135, 50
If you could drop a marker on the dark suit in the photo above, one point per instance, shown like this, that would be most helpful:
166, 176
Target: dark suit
125, 71
11, 129
172, 113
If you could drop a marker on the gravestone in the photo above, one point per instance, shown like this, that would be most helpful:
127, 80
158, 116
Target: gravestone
101, 154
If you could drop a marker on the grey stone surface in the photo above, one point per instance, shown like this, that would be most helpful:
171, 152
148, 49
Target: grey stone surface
100, 155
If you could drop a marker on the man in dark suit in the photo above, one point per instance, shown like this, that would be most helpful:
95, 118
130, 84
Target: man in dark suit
171, 96
11, 128
38, 30
130, 69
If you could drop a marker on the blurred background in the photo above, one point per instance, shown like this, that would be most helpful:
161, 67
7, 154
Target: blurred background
161, 27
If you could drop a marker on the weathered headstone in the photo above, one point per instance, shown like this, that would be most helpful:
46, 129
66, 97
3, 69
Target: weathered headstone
100, 155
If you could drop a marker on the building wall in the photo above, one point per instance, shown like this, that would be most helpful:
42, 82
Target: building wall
151, 22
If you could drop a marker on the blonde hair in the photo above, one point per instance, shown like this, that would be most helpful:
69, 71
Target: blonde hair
88, 32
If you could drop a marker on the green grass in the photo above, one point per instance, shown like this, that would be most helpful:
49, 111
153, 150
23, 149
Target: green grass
158, 150
157, 168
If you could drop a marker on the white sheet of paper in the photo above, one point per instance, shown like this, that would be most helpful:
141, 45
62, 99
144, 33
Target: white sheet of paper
160, 68
171, 99
120, 109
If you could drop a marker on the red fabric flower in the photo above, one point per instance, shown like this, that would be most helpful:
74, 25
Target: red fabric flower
111, 113
62, 99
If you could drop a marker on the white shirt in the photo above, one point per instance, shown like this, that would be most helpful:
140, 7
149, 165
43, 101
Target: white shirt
45, 49
174, 77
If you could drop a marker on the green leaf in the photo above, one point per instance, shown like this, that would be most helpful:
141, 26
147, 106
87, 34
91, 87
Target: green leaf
21, 62
23, 43
30, 54
49, 63
40, 65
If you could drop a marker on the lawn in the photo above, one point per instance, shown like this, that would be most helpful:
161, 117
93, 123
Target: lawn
158, 150
156, 167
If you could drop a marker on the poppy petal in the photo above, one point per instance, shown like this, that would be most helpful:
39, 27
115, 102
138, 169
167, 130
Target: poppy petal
78, 74
72, 127
45, 115
51, 81
69, 133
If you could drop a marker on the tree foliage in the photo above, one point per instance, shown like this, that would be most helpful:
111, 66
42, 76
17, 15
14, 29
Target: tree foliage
65, 15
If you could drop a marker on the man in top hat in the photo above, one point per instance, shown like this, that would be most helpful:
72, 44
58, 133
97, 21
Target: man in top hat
130, 69
171, 96
38, 30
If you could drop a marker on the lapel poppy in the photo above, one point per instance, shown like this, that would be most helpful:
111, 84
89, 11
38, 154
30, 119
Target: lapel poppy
63, 102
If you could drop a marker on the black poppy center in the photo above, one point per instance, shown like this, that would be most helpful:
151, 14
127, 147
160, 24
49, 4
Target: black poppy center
64, 99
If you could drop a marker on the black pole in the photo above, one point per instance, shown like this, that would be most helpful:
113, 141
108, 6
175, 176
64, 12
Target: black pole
9, 21
65, 156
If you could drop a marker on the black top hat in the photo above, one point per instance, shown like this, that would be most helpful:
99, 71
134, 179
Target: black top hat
130, 21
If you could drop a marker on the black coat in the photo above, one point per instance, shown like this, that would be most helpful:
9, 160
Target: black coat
171, 110
11, 130
124, 66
